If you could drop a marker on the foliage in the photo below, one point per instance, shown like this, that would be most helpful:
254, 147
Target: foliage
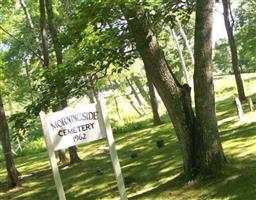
245, 34
222, 57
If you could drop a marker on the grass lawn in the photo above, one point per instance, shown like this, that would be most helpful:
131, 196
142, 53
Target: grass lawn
156, 173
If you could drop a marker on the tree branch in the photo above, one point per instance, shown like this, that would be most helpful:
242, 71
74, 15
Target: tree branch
231, 15
21, 42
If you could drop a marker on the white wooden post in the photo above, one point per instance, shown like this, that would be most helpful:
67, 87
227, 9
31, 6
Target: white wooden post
106, 129
53, 161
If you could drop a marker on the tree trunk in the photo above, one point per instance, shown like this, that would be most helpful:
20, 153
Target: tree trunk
54, 32
185, 38
233, 49
62, 156
169, 89
13, 177
153, 102
133, 105
58, 53
182, 60
30, 24
139, 85
115, 100
74, 158
208, 143
44, 34
136, 96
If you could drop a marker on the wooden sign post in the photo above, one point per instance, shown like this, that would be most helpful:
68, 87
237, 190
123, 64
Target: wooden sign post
73, 126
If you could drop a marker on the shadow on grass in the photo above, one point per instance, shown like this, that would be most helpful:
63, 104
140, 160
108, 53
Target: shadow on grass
175, 183
239, 182
152, 172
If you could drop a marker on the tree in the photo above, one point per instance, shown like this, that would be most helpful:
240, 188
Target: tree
153, 102
109, 39
44, 34
198, 135
245, 34
13, 178
233, 49
209, 146
185, 38
182, 60
59, 57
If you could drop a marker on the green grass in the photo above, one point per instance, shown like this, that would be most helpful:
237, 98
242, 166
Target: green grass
155, 173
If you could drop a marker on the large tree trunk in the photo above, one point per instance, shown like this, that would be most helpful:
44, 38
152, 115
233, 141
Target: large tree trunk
58, 53
167, 86
233, 49
13, 178
74, 158
209, 147
153, 102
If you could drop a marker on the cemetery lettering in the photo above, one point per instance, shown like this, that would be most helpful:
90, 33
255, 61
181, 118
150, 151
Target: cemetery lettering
73, 118
74, 126
77, 129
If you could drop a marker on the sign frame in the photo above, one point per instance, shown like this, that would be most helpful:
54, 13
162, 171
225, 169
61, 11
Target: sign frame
105, 128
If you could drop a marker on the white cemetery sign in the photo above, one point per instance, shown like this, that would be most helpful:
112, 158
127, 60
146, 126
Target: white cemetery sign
73, 126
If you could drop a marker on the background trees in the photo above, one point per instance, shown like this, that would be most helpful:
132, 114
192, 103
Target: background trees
90, 52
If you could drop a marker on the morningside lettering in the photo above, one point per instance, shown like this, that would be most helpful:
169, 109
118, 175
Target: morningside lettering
77, 129
73, 118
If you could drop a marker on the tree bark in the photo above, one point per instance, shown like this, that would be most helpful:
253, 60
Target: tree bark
54, 32
59, 57
153, 102
13, 177
209, 147
62, 156
74, 158
44, 34
233, 49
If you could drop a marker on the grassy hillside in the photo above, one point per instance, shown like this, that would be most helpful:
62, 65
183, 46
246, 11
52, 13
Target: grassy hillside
152, 172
